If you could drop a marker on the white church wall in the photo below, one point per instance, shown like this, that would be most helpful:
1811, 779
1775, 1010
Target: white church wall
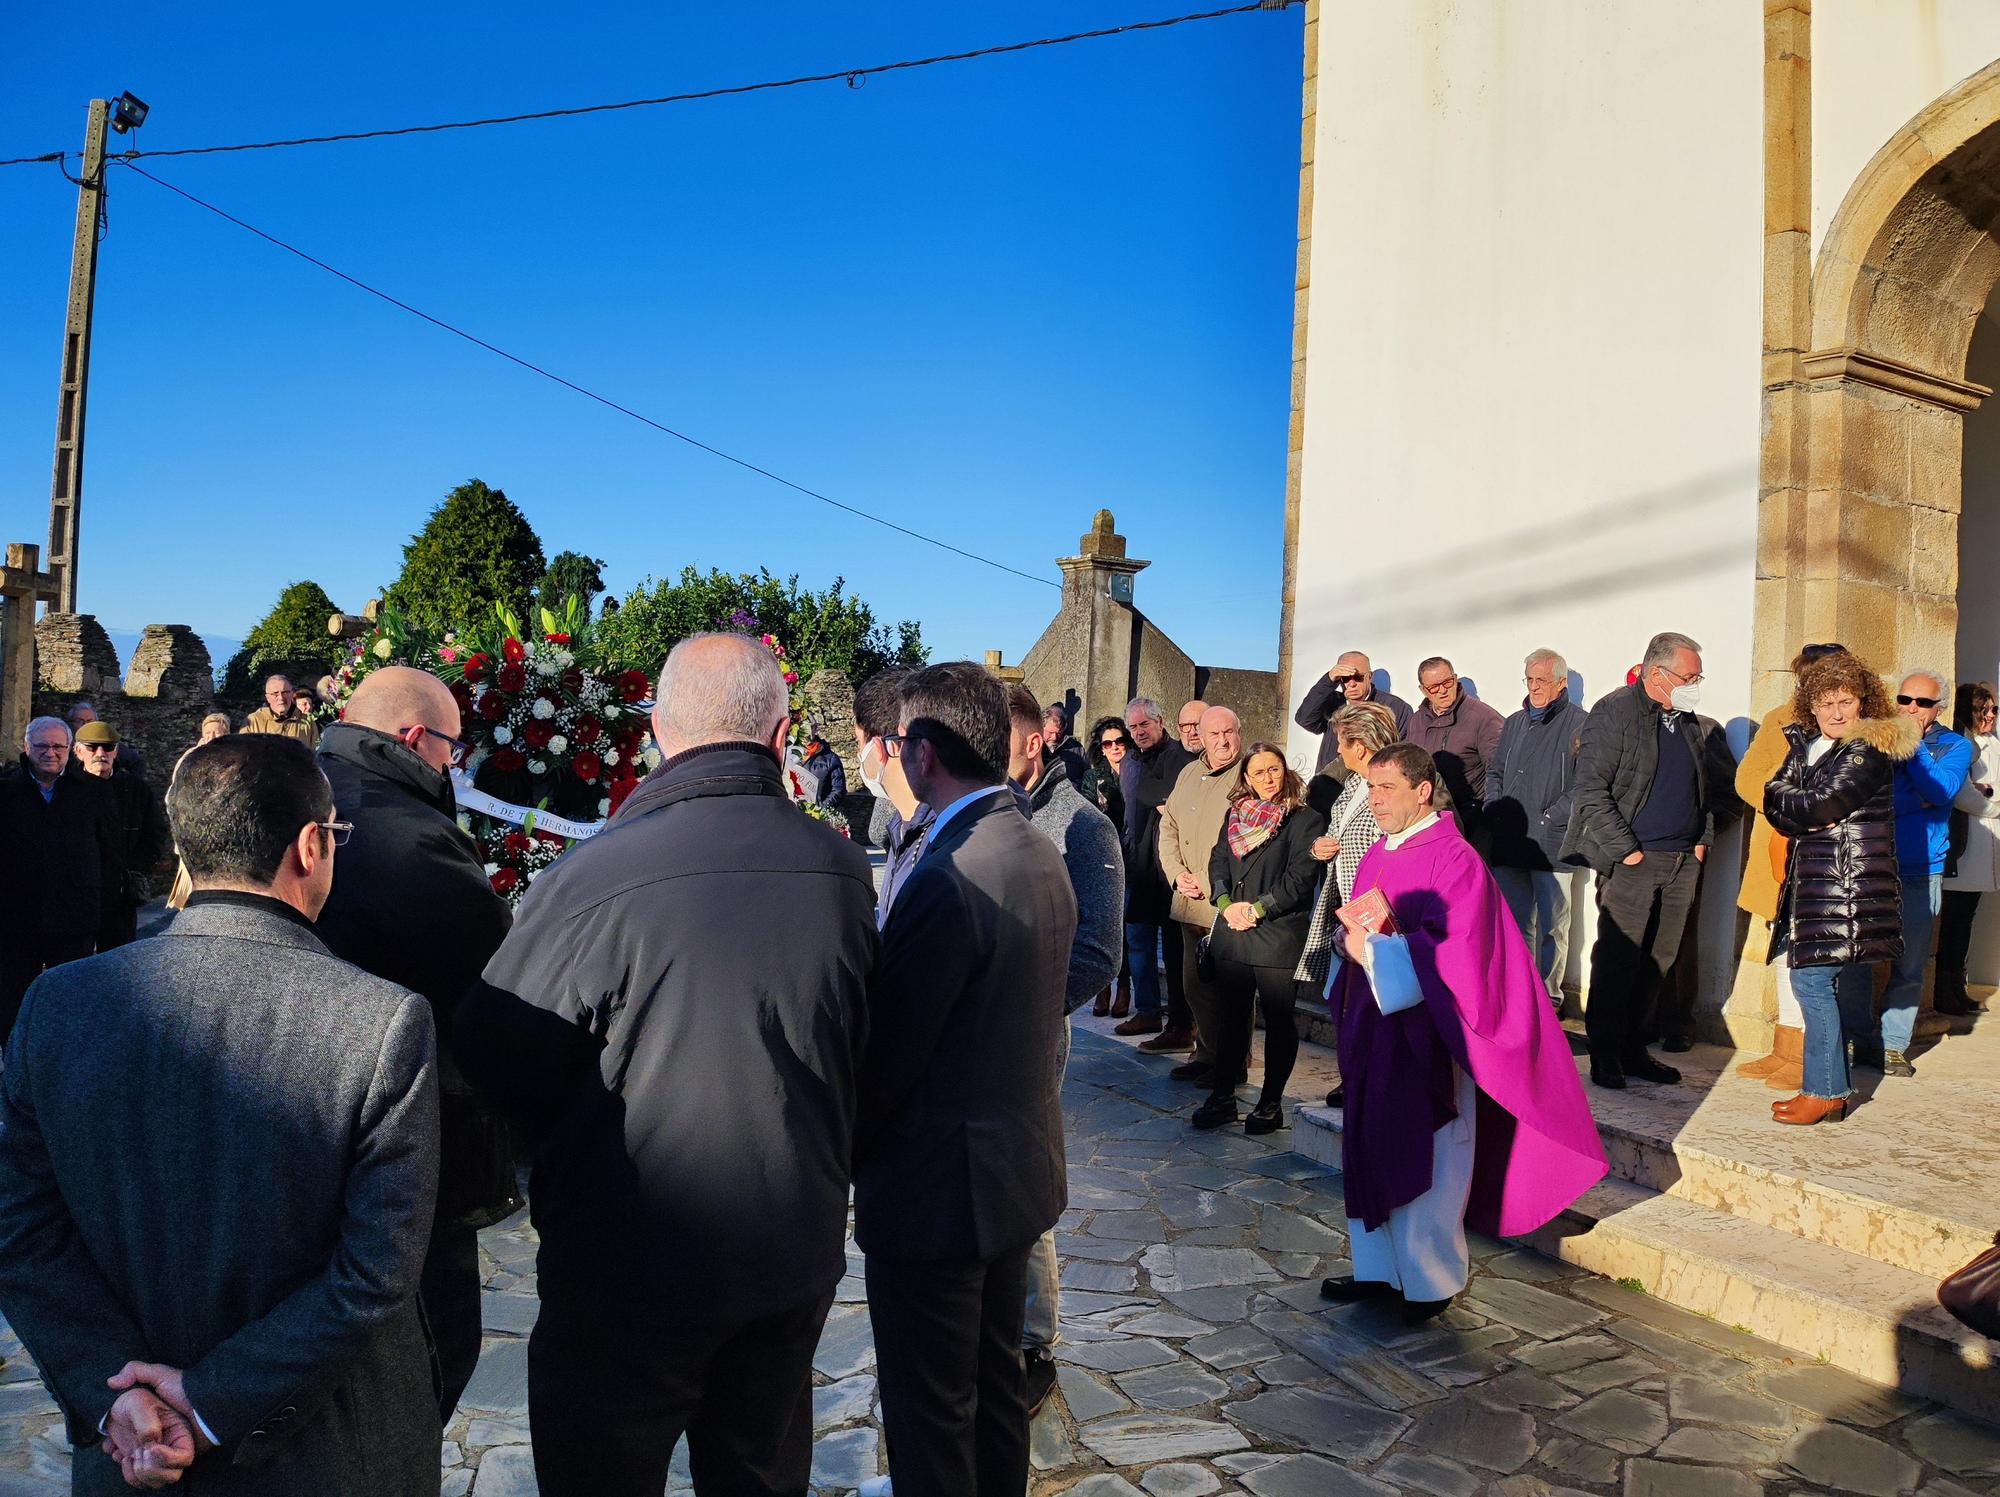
1875, 64
1533, 350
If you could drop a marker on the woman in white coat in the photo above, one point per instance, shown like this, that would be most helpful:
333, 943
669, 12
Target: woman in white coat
1972, 867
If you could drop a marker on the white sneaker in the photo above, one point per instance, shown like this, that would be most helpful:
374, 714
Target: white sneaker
875, 1486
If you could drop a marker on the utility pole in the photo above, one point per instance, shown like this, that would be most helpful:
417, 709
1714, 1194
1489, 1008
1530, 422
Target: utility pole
66, 489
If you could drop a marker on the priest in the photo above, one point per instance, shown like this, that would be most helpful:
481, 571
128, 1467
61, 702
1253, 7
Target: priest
1464, 1107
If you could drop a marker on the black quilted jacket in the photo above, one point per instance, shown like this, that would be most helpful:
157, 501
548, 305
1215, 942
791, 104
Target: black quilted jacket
1842, 900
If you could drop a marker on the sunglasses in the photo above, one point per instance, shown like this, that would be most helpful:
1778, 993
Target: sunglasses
1111, 743
1903, 701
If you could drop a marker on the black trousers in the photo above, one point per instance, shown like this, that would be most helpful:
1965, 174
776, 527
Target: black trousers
448, 1289
609, 1398
1681, 987
1179, 1015
1955, 915
954, 1387
1243, 988
1642, 911
24, 956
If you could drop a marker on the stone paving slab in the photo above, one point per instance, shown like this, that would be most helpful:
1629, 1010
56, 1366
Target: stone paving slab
1210, 1365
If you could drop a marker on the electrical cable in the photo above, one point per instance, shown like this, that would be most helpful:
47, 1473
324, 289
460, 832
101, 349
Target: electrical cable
847, 75
623, 410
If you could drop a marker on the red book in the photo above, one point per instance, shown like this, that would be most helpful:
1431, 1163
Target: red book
1368, 914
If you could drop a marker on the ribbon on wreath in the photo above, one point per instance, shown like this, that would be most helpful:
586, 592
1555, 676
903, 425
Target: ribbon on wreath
528, 818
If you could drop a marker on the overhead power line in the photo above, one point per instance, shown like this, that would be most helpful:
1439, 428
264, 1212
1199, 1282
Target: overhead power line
572, 385
851, 76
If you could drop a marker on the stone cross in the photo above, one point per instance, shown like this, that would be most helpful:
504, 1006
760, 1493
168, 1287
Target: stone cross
23, 584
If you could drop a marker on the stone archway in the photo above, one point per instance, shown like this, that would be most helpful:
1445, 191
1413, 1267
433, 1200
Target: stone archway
1862, 416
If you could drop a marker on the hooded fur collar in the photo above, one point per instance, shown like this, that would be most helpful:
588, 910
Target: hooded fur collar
1896, 736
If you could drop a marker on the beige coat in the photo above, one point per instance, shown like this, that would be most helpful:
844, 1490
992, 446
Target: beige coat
1190, 825
264, 720
1759, 893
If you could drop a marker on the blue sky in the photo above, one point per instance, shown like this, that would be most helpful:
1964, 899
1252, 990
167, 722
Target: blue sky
981, 300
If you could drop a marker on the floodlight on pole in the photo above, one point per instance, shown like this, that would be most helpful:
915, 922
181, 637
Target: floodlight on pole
127, 113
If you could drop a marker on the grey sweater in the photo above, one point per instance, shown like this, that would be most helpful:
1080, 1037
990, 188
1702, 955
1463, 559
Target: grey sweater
1090, 852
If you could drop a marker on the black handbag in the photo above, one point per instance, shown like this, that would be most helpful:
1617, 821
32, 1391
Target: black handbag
1973, 1293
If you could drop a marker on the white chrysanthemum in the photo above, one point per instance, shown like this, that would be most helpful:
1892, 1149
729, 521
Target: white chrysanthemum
610, 756
537, 766
383, 649
651, 754
545, 663
491, 869
503, 734
544, 708
558, 744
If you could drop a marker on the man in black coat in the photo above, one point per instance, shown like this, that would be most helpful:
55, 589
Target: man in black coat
1352, 679
1147, 779
1642, 817
959, 1147
675, 1025
411, 903
218, 1150
142, 820
62, 865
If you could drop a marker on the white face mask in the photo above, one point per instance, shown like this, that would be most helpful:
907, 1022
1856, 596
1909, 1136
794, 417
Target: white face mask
873, 781
1685, 698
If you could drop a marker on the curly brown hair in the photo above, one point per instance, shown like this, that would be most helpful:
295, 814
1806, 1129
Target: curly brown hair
1842, 672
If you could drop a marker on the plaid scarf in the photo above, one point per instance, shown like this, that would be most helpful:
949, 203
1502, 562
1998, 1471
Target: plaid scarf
1251, 823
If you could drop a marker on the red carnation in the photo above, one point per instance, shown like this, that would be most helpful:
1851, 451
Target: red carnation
504, 880
511, 678
492, 706
512, 653
476, 667
557, 639
508, 761
586, 730
634, 687
514, 844
537, 732
587, 766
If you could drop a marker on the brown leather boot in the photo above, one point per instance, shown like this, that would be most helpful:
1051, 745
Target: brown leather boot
1788, 1048
1774, 1061
1102, 1005
1122, 1004
1804, 1111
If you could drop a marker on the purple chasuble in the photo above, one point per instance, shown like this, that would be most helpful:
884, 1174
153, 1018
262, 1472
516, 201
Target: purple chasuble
1487, 1010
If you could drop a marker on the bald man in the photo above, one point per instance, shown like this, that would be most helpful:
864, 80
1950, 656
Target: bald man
411, 903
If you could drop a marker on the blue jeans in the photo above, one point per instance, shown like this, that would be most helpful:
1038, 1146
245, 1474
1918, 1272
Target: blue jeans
1819, 991
1142, 955
1900, 999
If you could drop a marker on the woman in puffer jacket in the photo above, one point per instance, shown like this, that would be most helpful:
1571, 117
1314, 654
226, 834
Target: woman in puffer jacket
1841, 908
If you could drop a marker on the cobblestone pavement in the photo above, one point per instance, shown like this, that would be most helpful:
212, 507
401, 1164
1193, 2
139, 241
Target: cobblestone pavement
1198, 1358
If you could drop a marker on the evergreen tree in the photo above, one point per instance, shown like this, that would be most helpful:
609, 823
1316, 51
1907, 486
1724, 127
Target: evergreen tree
291, 638
475, 552
570, 575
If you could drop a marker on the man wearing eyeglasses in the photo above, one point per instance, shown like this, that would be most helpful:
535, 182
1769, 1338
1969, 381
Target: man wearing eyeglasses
411, 903
1642, 816
281, 714
1925, 785
218, 1150
1352, 679
142, 822
62, 864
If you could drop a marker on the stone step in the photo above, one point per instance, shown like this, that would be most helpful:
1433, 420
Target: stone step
1911, 1179
1876, 1320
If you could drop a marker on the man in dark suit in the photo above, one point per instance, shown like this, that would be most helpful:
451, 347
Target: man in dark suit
411, 903
218, 1151
959, 1147
674, 1024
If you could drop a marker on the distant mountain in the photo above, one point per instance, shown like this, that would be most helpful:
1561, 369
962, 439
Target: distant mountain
125, 641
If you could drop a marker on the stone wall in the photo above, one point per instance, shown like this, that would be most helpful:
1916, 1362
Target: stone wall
1252, 694
73, 653
172, 664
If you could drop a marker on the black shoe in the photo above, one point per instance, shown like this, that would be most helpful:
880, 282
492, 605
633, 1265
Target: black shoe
1896, 1063
1196, 1071
1606, 1074
1957, 1008
1348, 1290
1268, 1118
1867, 1057
1417, 1311
1041, 1380
1214, 1113
1337, 1097
1643, 1067
1676, 1045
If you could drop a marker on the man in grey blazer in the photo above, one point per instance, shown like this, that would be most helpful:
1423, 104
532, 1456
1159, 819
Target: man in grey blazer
959, 1145
218, 1155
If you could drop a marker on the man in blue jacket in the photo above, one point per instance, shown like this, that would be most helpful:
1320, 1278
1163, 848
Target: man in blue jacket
1528, 788
1925, 785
